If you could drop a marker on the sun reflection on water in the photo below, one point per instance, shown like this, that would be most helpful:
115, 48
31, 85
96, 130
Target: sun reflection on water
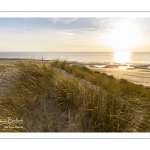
125, 67
122, 57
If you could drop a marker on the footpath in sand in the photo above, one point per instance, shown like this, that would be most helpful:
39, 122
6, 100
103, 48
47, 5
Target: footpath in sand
46, 117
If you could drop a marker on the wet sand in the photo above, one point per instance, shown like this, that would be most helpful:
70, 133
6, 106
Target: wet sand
140, 74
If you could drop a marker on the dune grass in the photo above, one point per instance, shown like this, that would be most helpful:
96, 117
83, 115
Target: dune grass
2, 67
107, 82
99, 103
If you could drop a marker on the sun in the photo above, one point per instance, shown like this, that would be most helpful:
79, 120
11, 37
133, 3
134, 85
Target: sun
124, 36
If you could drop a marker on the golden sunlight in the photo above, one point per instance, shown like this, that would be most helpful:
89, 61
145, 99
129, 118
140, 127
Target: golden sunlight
122, 57
125, 36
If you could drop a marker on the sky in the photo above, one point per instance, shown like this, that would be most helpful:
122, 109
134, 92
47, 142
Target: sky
74, 34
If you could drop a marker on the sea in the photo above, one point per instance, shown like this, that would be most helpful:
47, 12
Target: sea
84, 57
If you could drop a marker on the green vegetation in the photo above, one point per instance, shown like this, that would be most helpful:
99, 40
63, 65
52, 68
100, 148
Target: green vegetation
2, 67
103, 80
48, 99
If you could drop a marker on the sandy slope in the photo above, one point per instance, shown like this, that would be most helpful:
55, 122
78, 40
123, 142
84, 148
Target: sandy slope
6, 76
48, 116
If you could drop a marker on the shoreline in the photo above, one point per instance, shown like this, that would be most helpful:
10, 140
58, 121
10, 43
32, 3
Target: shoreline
78, 62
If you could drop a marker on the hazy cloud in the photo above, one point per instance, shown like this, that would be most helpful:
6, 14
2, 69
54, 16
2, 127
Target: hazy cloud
64, 20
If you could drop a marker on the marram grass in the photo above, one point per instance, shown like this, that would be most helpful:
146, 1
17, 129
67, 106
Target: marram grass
48, 99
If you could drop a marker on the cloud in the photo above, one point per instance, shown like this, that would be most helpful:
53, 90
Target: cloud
111, 22
28, 19
64, 20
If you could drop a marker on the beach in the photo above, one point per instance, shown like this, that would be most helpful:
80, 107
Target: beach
140, 74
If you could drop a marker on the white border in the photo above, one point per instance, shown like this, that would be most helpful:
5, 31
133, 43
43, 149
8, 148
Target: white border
74, 14
76, 135
74, 5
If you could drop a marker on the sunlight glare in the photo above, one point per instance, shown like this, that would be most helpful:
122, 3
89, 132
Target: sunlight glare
125, 67
125, 36
122, 57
